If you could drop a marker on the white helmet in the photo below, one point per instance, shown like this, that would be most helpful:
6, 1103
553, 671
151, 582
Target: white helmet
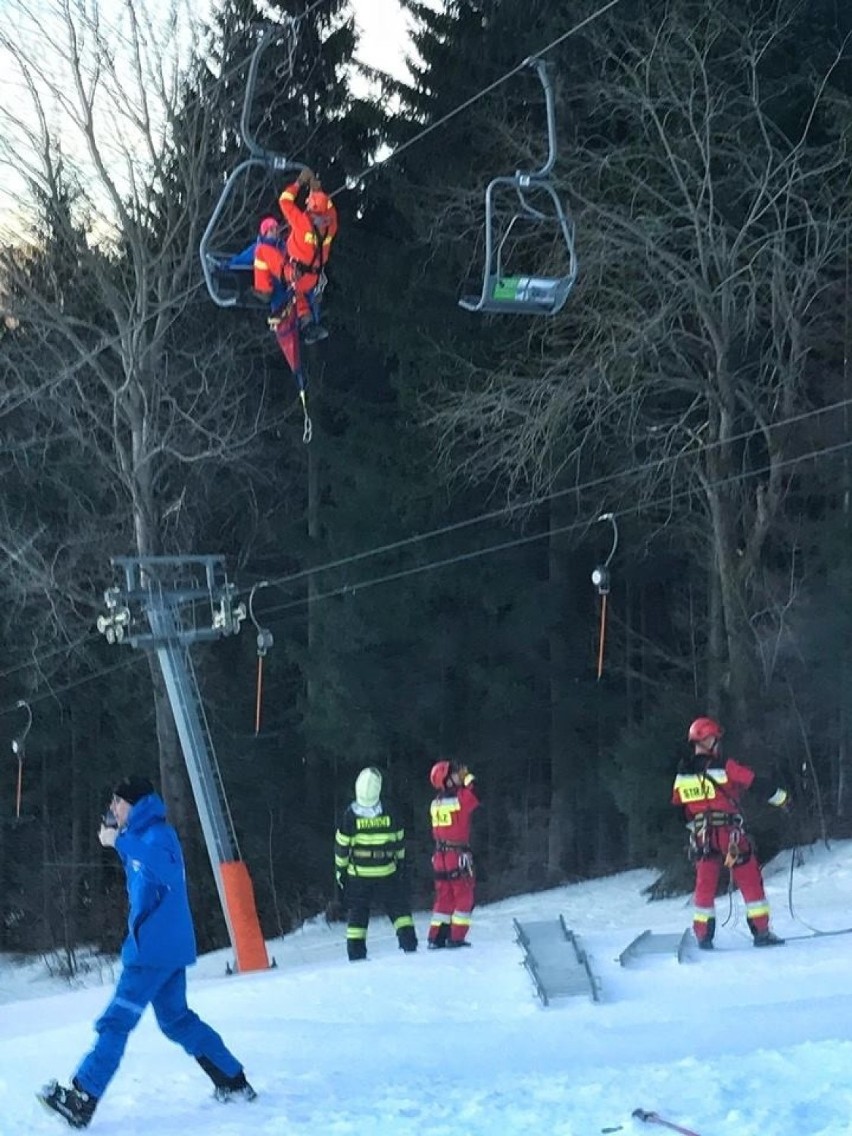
368, 787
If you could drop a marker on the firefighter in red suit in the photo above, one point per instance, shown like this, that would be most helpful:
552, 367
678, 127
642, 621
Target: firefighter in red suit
708, 789
312, 219
452, 860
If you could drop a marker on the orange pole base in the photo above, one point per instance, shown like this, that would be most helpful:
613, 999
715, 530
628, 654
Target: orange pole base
249, 944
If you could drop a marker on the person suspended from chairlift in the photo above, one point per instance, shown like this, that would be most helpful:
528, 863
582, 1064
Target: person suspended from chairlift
312, 222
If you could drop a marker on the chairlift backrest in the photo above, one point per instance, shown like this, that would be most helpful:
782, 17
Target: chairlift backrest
229, 283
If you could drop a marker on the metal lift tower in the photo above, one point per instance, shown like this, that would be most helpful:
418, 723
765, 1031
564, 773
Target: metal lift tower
168, 603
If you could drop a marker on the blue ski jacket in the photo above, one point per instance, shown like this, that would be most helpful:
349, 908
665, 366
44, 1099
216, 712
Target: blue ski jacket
159, 922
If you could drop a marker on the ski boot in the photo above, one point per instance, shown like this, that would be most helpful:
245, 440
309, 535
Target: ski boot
236, 1089
73, 1104
767, 939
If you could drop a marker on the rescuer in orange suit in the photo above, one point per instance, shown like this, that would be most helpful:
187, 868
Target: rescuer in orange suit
312, 219
270, 261
708, 789
452, 861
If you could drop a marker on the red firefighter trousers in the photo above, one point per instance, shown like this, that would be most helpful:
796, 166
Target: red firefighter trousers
747, 877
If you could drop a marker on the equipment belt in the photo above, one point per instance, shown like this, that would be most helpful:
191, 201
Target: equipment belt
450, 846
717, 819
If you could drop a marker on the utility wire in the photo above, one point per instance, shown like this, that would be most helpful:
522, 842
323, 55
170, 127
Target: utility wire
54, 691
543, 499
434, 565
351, 589
353, 181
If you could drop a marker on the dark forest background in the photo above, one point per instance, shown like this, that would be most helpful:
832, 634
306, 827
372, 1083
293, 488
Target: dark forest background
696, 385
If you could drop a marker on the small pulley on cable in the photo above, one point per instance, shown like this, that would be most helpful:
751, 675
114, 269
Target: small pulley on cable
19, 750
601, 580
264, 642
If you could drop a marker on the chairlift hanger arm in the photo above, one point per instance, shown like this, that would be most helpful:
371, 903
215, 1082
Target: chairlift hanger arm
19, 741
270, 35
541, 68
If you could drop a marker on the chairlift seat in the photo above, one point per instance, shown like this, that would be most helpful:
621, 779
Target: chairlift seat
230, 285
521, 295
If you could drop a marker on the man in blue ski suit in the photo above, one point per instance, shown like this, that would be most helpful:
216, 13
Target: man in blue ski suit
160, 945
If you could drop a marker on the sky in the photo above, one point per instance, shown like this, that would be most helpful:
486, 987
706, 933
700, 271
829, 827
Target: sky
384, 37
738, 1042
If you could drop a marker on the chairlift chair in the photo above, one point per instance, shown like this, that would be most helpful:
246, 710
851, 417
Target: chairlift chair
507, 293
228, 280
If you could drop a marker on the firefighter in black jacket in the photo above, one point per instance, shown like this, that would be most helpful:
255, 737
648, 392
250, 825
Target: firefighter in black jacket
369, 857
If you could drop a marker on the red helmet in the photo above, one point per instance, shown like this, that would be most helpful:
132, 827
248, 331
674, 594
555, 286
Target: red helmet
318, 202
269, 226
439, 773
702, 729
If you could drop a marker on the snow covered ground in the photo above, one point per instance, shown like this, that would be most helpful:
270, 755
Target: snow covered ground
741, 1042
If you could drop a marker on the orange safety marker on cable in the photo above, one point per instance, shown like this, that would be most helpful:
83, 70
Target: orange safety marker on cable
264, 642
602, 634
600, 578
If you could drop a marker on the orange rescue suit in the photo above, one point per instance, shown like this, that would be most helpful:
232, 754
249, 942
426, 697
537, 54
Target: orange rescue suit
308, 245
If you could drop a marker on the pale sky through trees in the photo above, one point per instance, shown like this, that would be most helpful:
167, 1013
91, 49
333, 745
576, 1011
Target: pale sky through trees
384, 37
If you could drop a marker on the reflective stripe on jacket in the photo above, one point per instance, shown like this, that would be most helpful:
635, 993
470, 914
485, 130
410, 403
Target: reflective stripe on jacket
369, 842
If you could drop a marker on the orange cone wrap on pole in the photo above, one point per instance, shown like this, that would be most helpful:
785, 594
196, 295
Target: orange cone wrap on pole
249, 944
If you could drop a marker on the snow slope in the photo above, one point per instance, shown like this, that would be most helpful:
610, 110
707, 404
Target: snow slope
741, 1042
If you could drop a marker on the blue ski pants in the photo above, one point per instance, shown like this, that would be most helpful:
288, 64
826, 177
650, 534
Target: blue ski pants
165, 992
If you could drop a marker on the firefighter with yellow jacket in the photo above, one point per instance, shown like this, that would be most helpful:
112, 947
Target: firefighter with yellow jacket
708, 788
369, 860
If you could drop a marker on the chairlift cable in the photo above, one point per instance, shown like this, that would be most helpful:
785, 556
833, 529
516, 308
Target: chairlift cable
353, 181
349, 589
504, 511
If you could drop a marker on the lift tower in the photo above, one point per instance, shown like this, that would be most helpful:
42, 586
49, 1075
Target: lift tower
166, 604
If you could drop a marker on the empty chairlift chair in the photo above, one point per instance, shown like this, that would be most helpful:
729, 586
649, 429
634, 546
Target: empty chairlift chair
536, 204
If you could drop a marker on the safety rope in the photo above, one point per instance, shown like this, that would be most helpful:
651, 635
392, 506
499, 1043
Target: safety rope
308, 429
795, 852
